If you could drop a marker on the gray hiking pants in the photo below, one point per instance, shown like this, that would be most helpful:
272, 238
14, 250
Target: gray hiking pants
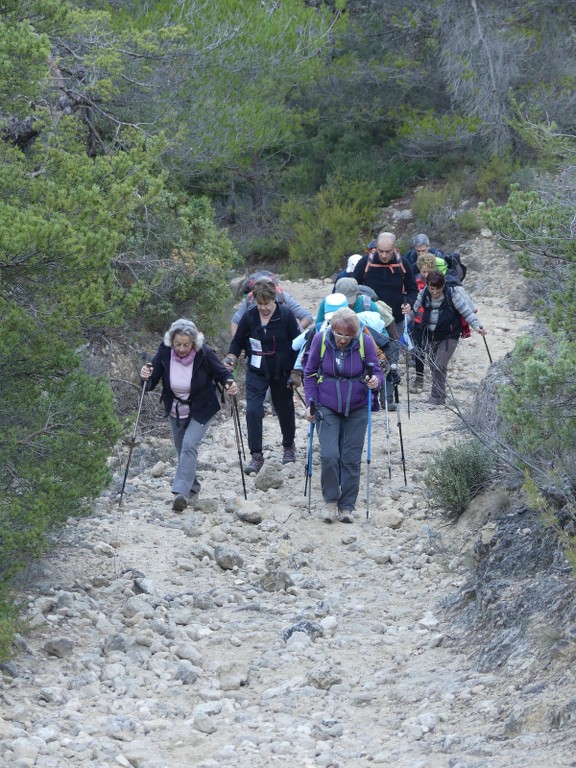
341, 444
439, 354
187, 442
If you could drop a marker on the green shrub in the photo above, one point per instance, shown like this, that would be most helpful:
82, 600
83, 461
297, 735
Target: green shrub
321, 230
438, 211
495, 179
538, 402
457, 474
467, 222
9, 623
433, 203
263, 250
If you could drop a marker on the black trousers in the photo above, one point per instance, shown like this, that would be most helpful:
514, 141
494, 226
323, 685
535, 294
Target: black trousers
283, 402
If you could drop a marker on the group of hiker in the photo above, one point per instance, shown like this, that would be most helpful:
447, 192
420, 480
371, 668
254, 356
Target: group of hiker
347, 361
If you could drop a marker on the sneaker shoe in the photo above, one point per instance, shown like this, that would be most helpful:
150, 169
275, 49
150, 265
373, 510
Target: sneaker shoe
289, 454
255, 465
330, 512
345, 516
416, 386
180, 503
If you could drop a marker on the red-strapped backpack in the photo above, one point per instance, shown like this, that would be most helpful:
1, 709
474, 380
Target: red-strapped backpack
395, 262
262, 274
466, 332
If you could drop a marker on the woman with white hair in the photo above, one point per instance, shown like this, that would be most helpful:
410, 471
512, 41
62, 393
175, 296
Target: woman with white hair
188, 369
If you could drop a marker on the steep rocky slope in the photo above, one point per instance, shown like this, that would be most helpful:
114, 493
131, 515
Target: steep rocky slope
248, 633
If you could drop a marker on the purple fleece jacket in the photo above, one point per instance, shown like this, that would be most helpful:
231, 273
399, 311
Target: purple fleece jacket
341, 387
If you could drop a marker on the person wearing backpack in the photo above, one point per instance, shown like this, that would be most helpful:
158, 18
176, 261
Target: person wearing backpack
353, 259
441, 313
189, 370
425, 263
357, 303
360, 303
303, 316
265, 334
420, 246
342, 372
390, 276
302, 343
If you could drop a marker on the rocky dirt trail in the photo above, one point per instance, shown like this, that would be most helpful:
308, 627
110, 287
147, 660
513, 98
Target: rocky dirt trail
248, 634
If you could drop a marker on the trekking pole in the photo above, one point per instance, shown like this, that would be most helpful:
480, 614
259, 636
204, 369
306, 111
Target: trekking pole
369, 442
407, 385
487, 350
295, 388
387, 430
238, 434
407, 343
308, 483
397, 399
237, 425
300, 396
133, 438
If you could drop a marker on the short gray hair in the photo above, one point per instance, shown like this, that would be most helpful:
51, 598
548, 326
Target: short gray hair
187, 328
387, 236
421, 240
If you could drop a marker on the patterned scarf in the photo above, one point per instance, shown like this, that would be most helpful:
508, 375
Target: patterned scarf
187, 360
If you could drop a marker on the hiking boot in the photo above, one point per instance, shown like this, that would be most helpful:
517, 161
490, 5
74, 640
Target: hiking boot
195, 490
180, 503
330, 512
392, 406
417, 385
289, 454
255, 465
345, 516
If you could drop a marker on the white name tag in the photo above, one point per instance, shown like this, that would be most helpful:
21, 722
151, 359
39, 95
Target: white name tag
256, 356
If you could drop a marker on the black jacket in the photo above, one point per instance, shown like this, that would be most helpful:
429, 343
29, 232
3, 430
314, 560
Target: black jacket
207, 369
393, 283
278, 357
449, 323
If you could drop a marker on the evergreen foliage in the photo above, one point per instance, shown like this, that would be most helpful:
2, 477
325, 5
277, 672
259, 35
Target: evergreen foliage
457, 474
539, 403
334, 221
58, 425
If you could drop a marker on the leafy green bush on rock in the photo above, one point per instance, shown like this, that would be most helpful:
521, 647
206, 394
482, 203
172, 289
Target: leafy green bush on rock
457, 474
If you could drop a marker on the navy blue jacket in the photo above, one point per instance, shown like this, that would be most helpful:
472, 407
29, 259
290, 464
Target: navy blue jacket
412, 256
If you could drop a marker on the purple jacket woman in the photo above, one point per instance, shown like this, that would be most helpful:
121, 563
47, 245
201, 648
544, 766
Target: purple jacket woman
341, 373
340, 383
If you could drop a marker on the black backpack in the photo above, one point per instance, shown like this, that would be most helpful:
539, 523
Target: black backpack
455, 265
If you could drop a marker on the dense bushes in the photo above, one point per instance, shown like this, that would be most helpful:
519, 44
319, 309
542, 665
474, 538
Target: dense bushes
319, 232
538, 404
